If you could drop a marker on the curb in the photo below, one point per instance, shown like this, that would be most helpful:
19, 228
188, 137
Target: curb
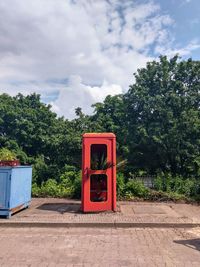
96, 225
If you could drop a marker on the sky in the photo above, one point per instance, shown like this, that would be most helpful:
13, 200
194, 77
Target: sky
76, 52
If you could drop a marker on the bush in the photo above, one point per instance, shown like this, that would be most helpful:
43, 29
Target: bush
17, 152
120, 185
164, 196
36, 190
167, 188
68, 168
69, 186
158, 183
167, 183
50, 188
77, 186
39, 170
136, 188
184, 187
6, 154
22, 156
72, 180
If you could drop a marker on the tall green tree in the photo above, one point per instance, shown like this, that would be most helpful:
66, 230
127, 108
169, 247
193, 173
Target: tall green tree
163, 116
110, 116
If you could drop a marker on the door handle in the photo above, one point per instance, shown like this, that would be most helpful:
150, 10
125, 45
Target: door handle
87, 173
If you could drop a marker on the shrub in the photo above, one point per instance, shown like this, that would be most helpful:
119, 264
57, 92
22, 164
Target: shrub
158, 183
17, 151
77, 186
168, 182
65, 191
36, 190
68, 176
187, 187
136, 188
120, 185
69, 186
39, 170
164, 196
22, 156
177, 184
6, 154
167, 188
68, 168
50, 188
72, 181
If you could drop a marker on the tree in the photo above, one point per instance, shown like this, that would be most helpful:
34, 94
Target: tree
110, 116
157, 124
33, 131
163, 116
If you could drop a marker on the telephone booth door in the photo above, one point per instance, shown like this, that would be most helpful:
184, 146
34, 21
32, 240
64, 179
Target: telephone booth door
99, 181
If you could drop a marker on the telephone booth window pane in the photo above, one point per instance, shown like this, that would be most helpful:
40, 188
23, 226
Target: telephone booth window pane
98, 159
98, 187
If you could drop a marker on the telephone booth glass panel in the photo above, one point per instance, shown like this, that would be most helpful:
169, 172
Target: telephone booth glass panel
98, 187
98, 156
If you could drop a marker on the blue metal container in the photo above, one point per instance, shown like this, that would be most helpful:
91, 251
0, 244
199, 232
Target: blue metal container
15, 189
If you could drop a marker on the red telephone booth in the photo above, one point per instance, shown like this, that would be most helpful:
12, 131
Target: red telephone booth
99, 172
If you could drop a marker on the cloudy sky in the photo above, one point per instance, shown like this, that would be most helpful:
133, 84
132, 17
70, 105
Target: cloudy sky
75, 52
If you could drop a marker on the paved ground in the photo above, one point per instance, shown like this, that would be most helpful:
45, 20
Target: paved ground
113, 246
65, 211
99, 247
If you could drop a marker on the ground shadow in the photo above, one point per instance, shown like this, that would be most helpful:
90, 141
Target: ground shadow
190, 243
61, 207
2, 217
14, 213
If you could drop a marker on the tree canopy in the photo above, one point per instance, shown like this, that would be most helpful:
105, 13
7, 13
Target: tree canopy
157, 124
163, 115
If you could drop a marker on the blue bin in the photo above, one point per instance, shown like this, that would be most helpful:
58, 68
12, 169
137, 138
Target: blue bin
15, 189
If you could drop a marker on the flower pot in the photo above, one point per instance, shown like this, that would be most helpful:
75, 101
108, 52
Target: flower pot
9, 163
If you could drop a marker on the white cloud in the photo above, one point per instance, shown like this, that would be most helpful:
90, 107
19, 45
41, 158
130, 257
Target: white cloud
44, 42
183, 51
78, 94
184, 2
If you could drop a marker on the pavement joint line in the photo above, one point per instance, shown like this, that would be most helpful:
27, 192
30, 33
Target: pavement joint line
97, 225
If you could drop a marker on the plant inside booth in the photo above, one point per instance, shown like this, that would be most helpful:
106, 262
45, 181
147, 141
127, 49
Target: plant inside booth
8, 158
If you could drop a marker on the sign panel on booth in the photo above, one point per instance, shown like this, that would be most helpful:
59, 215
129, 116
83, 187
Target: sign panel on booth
99, 172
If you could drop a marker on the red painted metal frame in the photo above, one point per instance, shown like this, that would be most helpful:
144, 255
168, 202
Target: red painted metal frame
98, 138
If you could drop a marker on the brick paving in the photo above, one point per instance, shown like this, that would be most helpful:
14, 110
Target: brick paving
99, 247
62, 246
68, 211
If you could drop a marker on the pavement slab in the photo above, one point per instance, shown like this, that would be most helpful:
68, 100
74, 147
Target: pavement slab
58, 212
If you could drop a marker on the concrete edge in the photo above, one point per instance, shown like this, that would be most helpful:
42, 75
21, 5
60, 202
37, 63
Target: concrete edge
96, 225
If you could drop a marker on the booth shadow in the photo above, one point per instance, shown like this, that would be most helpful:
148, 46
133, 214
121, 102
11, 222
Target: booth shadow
61, 207
190, 243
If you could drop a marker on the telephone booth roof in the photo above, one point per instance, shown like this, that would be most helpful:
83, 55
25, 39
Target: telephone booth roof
97, 135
